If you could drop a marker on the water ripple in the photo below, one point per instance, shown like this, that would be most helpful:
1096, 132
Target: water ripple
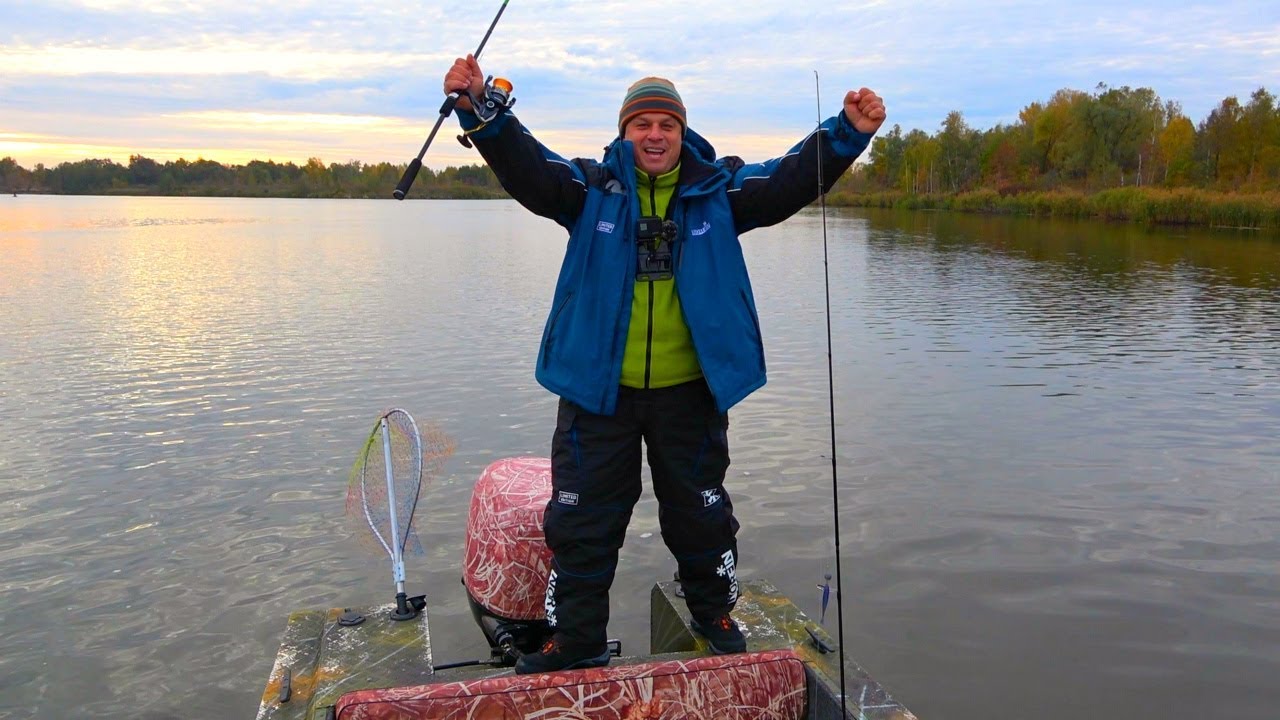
1056, 445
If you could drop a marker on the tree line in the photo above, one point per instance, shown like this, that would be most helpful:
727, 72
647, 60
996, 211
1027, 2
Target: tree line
1086, 142
1116, 152
258, 178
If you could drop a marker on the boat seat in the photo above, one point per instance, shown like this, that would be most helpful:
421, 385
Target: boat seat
768, 684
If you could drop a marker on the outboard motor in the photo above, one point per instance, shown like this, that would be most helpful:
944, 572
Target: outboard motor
506, 560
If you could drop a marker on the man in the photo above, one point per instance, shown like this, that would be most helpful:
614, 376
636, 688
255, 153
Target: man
652, 336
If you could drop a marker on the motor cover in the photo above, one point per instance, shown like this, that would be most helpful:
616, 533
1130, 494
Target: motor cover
506, 559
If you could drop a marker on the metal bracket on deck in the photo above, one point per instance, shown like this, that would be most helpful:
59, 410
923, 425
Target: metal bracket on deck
823, 646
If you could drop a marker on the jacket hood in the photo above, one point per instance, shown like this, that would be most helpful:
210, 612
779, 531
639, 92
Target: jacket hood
699, 146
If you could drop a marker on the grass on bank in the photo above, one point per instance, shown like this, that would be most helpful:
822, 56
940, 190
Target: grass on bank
1152, 206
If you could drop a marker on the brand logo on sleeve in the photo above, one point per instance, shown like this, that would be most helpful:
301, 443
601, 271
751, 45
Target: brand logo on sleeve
701, 230
604, 227
568, 498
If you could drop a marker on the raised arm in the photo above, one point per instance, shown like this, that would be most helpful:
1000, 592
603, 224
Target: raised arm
539, 179
767, 193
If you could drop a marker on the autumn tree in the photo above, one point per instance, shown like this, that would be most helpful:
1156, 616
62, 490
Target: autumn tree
12, 176
958, 152
1177, 149
143, 170
884, 160
920, 163
1259, 134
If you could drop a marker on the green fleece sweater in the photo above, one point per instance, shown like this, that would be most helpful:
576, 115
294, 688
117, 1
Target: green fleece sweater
659, 350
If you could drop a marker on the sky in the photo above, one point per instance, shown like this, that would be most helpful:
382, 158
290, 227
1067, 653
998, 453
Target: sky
289, 80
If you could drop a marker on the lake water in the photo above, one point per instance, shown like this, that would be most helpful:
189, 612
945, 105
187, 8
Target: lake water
1058, 445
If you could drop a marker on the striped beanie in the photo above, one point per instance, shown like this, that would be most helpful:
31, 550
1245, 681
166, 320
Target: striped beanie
651, 94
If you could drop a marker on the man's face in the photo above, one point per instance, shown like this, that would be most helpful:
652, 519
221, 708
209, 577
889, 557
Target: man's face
657, 138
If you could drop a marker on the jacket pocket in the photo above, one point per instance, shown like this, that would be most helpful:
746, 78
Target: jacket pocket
750, 310
751, 315
566, 416
551, 328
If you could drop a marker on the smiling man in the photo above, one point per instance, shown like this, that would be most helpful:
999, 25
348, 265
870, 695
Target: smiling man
651, 338
653, 119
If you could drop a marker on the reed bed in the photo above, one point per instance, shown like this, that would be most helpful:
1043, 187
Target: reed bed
1150, 206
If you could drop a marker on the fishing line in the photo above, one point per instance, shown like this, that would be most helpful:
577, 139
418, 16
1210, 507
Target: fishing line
411, 172
831, 397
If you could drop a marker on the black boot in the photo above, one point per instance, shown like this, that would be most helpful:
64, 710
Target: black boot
555, 655
722, 634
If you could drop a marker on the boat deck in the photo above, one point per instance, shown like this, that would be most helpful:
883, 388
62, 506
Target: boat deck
321, 659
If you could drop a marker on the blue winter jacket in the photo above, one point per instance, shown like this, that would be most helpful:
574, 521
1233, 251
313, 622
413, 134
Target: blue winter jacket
580, 358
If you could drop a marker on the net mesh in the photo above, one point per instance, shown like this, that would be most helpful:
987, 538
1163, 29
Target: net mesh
417, 454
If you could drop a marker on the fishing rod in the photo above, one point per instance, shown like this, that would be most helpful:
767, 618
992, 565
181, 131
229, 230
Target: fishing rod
831, 398
411, 172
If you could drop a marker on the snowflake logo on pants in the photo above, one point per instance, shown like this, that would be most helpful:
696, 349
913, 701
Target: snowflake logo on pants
729, 568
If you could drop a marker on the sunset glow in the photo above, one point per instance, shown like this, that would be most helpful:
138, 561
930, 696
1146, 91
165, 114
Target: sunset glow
298, 79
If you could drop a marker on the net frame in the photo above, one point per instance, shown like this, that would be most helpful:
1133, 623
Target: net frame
381, 508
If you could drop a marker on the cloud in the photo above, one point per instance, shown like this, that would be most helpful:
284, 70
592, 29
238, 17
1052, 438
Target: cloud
343, 81
231, 58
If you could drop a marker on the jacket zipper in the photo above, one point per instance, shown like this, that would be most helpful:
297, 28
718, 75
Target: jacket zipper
648, 341
679, 249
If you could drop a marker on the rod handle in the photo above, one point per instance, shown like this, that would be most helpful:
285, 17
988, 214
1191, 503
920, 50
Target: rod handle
411, 172
446, 108
406, 180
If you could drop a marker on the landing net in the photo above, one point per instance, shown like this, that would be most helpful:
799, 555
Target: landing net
413, 459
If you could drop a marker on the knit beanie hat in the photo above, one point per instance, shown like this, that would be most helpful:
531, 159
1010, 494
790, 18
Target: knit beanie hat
651, 94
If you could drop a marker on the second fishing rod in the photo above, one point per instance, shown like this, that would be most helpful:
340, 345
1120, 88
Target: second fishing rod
831, 399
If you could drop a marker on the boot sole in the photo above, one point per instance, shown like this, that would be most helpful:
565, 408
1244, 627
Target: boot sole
591, 662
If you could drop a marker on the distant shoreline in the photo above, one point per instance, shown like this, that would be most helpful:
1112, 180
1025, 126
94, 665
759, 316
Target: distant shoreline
1147, 206
205, 178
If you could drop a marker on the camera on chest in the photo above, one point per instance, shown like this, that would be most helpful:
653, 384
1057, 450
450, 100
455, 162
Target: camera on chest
654, 240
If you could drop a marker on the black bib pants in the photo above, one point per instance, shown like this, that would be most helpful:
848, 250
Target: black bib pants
595, 484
